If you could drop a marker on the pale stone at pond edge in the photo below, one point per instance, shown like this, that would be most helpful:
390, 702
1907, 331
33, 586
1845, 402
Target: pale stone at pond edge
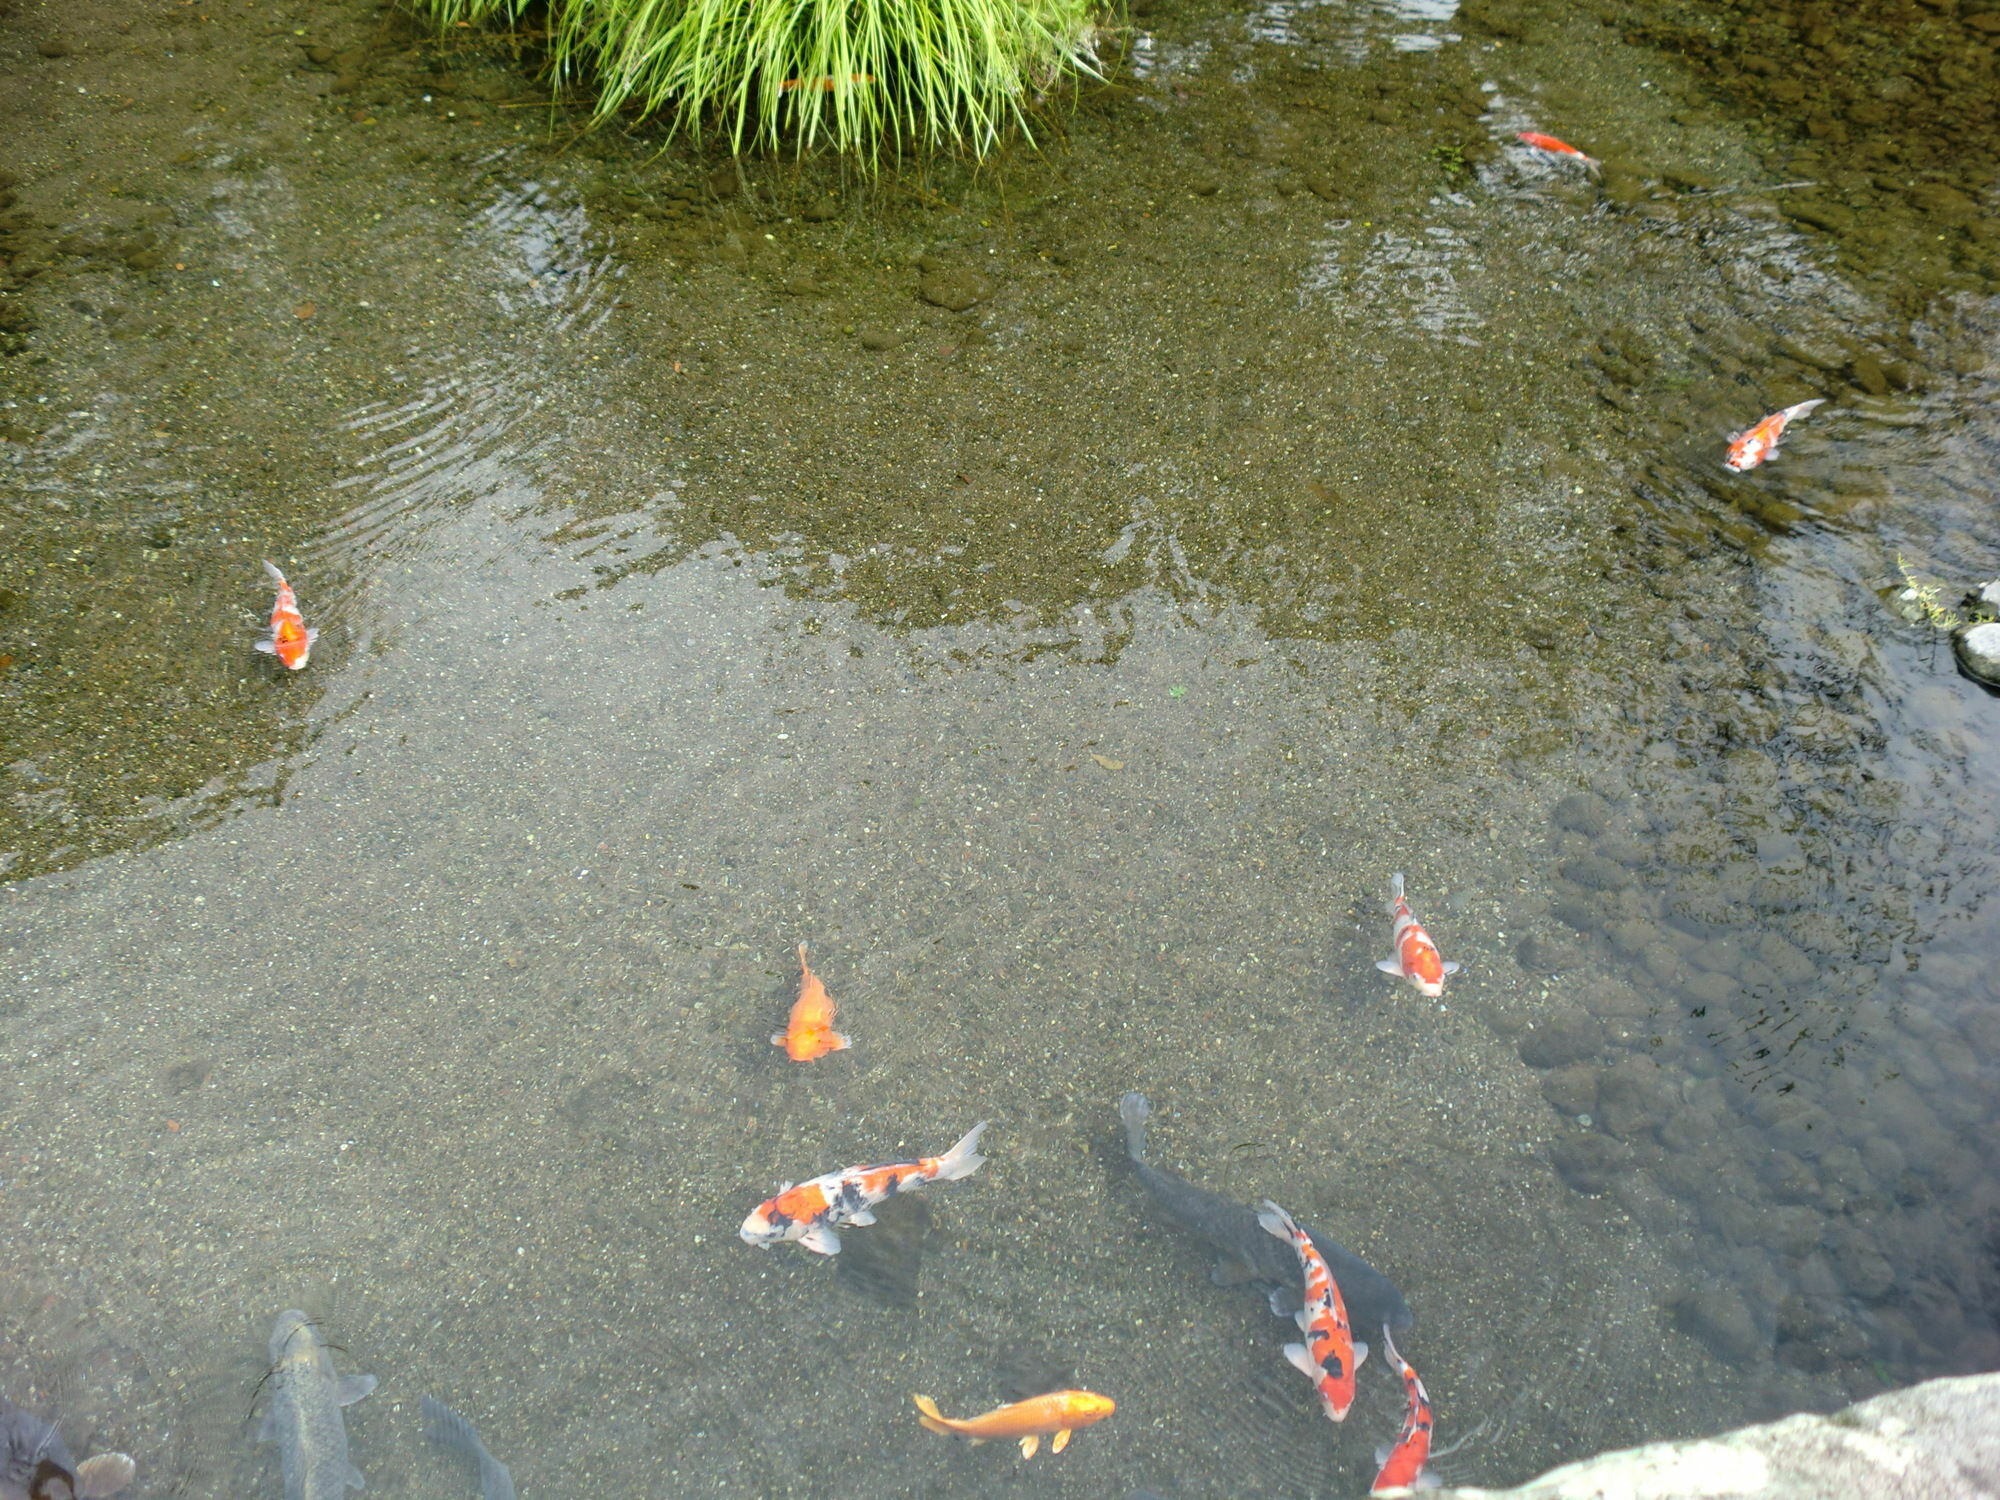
1978, 648
1935, 1441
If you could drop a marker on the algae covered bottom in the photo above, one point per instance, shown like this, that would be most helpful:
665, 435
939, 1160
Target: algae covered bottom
1062, 592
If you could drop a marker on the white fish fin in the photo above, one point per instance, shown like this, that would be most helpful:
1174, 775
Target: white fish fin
1451, 968
271, 570
963, 1159
1426, 1480
1395, 890
312, 634
351, 1388
104, 1474
838, 1042
1278, 1299
1795, 412
821, 1240
1382, 1452
1029, 1444
1276, 1222
864, 1219
354, 1479
1360, 1353
268, 646
1301, 1359
1390, 966
1304, 1318
777, 1039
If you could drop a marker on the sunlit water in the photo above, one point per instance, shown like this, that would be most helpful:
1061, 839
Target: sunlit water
1073, 688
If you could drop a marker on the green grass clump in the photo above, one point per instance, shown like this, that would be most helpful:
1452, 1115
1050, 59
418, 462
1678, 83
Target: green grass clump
852, 75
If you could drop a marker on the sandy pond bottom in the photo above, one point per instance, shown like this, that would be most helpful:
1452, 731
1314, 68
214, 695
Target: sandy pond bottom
1316, 486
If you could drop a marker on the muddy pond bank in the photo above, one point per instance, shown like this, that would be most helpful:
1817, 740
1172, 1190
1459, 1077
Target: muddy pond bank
1063, 591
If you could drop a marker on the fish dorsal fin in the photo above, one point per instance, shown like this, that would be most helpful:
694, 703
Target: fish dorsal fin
351, 1388
354, 1479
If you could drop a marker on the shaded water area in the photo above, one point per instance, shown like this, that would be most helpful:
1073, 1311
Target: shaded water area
1311, 484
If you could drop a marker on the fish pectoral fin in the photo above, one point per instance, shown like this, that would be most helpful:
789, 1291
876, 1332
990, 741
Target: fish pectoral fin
1304, 1318
1300, 1358
351, 1388
354, 1479
821, 1240
1360, 1354
1029, 1444
1060, 1441
1390, 966
104, 1474
268, 646
777, 1039
1451, 968
864, 1218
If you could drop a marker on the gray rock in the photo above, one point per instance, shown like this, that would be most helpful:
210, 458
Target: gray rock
1978, 648
1588, 1163
1631, 1101
954, 288
1573, 1090
1565, 1037
1721, 1320
1583, 812
1542, 955
874, 336
1935, 1441
1596, 873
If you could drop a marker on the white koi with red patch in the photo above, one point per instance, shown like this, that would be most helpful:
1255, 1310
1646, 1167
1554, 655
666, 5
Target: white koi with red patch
1417, 958
1755, 445
810, 1212
290, 641
1329, 1357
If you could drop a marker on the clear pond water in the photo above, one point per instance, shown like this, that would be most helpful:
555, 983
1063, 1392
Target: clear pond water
1317, 485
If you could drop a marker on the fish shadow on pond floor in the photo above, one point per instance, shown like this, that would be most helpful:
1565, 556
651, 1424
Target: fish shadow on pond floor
883, 1261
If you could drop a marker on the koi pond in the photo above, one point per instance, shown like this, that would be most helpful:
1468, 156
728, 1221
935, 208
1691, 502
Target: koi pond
1061, 592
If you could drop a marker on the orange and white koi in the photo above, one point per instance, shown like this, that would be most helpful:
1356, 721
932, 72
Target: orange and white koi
1402, 1467
1417, 958
1330, 1356
289, 639
809, 1033
1554, 146
1755, 445
812, 1211
1059, 1412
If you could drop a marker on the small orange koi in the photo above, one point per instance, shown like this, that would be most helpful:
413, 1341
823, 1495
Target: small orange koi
810, 1033
289, 639
1551, 144
1059, 1412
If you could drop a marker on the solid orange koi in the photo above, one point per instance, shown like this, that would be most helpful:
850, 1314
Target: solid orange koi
1059, 1412
1417, 958
1330, 1356
1551, 144
1754, 446
289, 639
811, 1211
809, 1033
1402, 1470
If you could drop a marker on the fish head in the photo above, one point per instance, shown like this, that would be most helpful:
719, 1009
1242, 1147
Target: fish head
1084, 1407
764, 1227
293, 1338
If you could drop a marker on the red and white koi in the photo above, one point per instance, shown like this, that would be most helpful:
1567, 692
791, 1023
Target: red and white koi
810, 1212
1417, 958
1554, 147
1402, 1466
1329, 1357
290, 641
1756, 445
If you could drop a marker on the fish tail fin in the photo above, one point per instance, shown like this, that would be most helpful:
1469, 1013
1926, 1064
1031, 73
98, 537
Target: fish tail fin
802, 957
1133, 1112
1395, 891
838, 1042
929, 1416
1805, 406
271, 572
963, 1159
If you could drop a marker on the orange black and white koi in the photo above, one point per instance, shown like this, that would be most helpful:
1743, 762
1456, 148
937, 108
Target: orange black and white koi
1554, 146
289, 639
1758, 444
1059, 1412
1417, 958
1402, 1466
809, 1033
810, 1212
1329, 1356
